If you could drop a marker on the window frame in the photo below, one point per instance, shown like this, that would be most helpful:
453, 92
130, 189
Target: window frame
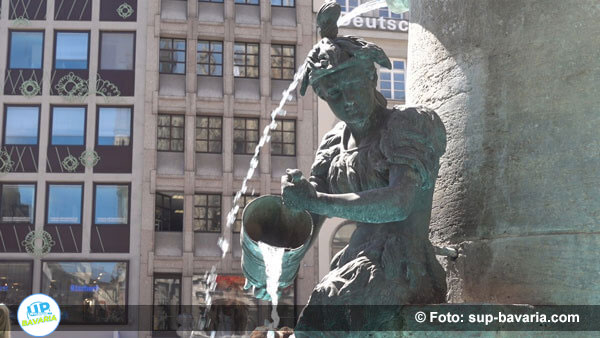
207, 206
208, 140
10, 37
51, 127
164, 194
283, 6
127, 285
282, 57
392, 72
171, 51
210, 53
280, 123
170, 133
30, 262
6, 106
164, 275
246, 133
47, 209
56, 32
35, 191
246, 2
94, 193
101, 32
245, 65
97, 127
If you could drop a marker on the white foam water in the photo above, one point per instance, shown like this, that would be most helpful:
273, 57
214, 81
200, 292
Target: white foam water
361, 9
273, 258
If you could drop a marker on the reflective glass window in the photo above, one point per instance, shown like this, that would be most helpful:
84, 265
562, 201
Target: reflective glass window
64, 203
71, 50
114, 126
112, 204
18, 203
21, 125
68, 126
26, 50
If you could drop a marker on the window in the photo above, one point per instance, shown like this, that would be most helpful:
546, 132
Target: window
245, 135
348, 5
247, 2
167, 302
210, 58
391, 82
18, 203
283, 62
209, 134
207, 213
168, 212
282, 3
68, 126
21, 125
64, 203
26, 50
114, 126
15, 281
170, 132
283, 138
245, 59
95, 291
220, 1
172, 56
116, 51
243, 202
71, 50
111, 204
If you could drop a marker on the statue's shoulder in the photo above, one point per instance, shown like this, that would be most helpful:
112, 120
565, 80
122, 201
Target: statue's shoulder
416, 122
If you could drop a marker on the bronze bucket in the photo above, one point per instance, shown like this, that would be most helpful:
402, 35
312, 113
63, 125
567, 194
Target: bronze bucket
266, 219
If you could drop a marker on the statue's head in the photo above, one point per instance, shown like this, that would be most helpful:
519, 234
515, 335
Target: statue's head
342, 71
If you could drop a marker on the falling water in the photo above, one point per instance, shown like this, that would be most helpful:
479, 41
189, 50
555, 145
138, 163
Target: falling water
273, 256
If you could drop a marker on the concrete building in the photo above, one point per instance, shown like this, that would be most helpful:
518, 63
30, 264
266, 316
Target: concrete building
390, 32
72, 97
139, 170
215, 72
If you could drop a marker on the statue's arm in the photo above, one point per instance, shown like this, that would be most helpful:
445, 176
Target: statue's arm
389, 204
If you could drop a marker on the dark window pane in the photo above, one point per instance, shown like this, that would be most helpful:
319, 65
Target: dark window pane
99, 289
169, 212
64, 204
71, 50
114, 126
15, 282
112, 204
26, 50
18, 203
167, 303
21, 125
68, 125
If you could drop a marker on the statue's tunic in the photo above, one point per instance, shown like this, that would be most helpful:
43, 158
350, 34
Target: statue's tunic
389, 263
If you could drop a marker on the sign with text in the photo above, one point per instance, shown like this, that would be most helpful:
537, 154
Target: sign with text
380, 23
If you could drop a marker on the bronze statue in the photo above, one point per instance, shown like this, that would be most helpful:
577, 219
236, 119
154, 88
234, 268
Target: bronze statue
377, 168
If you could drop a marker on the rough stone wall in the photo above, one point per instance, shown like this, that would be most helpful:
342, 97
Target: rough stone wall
517, 84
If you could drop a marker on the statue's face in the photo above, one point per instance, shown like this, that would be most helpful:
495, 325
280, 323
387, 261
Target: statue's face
350, 94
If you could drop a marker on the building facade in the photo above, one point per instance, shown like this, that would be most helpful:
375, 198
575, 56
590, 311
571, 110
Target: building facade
216, 70
389, 31
127, 128
72, 95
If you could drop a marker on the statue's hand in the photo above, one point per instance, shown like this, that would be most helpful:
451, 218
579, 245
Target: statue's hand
296, 190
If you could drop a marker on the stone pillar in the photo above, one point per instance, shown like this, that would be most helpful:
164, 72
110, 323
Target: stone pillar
517, 84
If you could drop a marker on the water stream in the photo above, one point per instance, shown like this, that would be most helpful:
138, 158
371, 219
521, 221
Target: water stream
273, 256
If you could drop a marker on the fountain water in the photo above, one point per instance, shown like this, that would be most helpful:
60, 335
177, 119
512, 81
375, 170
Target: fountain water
273, 256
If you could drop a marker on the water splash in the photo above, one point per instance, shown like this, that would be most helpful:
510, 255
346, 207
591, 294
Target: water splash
273, 258
362, 9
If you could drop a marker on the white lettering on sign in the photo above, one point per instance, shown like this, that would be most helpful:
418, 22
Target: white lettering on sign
380, 23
